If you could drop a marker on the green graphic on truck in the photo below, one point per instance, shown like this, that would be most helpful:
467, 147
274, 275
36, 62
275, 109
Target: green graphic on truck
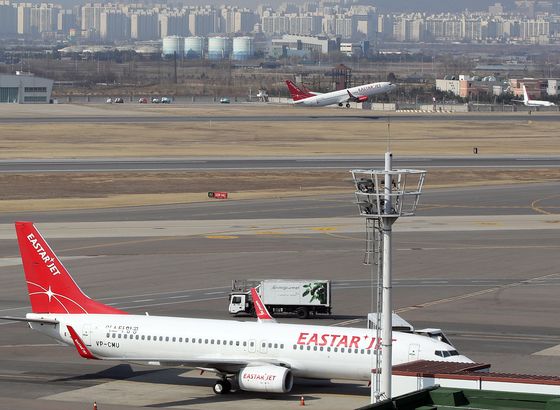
317, 291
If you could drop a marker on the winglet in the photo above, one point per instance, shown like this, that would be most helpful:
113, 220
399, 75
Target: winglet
80, 345
260, 308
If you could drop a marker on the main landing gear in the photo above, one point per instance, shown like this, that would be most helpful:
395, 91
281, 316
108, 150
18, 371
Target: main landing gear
347, 105
222, 386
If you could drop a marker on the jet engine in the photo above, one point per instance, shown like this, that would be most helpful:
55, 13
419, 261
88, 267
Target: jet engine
270, 379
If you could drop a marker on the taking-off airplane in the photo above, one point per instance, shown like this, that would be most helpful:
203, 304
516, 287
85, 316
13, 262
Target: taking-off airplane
262, 356
359, 94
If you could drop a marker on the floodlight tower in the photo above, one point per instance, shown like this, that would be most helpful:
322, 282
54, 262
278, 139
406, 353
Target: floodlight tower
382, 195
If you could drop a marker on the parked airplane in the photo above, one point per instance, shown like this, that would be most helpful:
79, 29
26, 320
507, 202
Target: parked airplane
535, 103
261, 356
360, 93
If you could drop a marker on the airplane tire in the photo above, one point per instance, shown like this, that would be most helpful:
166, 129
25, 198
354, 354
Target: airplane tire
222, 387
347, 105
302, 313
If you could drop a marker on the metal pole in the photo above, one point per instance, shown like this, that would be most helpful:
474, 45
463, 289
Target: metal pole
386, 318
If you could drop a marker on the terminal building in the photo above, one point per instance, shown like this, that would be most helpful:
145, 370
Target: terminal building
24, 88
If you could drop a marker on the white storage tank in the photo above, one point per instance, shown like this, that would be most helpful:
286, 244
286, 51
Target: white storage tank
243, 48
194, 47
172, 45
218, 48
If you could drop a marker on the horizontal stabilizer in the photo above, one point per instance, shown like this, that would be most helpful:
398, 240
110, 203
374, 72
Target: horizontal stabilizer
24, 319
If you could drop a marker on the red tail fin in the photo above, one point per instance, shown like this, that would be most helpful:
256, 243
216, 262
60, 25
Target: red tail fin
51, 288
297, 93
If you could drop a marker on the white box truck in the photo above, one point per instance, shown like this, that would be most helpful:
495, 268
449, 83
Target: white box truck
300, 296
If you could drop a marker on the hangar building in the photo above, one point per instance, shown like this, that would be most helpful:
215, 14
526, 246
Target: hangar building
25, 89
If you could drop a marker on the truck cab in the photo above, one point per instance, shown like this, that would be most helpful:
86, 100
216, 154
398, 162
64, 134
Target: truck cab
238, 302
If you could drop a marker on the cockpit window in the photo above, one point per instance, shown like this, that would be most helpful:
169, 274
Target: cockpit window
446, 353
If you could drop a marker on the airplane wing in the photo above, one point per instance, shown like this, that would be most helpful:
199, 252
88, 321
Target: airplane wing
353, 98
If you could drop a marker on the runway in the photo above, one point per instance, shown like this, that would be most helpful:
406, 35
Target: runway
271, 163
328, 116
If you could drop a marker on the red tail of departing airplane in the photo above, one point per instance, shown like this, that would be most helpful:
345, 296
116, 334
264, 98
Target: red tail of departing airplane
296, 92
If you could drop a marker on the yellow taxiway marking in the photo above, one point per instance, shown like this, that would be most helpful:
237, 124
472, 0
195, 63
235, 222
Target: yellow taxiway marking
268, 233
535, 205
324, 229
221, 237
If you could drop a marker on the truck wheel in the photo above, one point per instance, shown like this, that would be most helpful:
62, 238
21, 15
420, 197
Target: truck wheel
302, 313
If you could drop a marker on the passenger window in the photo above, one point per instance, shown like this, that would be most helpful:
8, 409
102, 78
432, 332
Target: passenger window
276, 345
161, 338
173, 339
231, 342
120, 335
211, 341
137, 337
237, 342
218, 341
328, 349
244, 344
270, 345
200, 341
362, 351
321, 348
315, 348
167, 338
193, 340
149, 337
308, 347
282, 346
336, 349
252, 344
295, 347
181, 340
143, 337
114, 335
342, 350
108, 334
300, 347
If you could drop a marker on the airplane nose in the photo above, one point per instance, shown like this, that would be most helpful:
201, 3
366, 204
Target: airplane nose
459, 359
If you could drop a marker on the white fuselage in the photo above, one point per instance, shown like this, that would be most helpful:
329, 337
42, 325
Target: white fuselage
538, 103
310, 351
342, 96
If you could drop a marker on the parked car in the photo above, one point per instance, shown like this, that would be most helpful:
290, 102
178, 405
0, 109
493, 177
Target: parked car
224, 100
165, 100
143, 100
109, 100
155, 100
119, 100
